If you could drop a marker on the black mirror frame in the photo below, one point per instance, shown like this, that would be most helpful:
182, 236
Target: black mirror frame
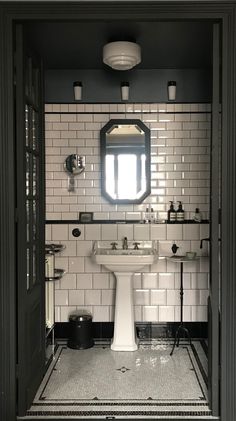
146, 131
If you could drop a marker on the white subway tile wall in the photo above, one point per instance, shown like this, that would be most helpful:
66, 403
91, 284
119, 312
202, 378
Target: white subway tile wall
87, 285
180, 159
180, 170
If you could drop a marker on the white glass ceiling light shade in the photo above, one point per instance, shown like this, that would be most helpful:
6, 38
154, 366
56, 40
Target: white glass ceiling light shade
78, 90
171, 90
122, 55
124, 91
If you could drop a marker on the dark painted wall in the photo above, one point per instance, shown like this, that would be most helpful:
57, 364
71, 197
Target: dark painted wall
103, 86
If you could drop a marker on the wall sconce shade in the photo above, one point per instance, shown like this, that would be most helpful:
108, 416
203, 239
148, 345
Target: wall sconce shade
171, 90
77, 90
122, 55
124, 91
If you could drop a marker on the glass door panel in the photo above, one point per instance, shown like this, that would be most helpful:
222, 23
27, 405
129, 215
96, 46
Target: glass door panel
28, 269
30, 223
34, 265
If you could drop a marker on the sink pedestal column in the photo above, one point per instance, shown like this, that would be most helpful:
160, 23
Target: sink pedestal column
124, 329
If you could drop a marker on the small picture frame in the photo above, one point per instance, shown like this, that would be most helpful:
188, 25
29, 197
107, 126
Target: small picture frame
85, 217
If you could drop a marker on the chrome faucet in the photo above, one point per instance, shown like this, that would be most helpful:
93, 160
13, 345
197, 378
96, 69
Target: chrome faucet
125, 243
203, 239
206, 239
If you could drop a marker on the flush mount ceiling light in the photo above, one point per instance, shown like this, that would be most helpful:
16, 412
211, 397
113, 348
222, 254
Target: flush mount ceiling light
122, 55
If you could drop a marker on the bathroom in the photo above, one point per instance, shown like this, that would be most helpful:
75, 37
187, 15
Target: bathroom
180, 139
78, 213
178, 173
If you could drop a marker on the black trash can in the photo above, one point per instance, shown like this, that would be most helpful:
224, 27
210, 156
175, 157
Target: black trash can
80, 330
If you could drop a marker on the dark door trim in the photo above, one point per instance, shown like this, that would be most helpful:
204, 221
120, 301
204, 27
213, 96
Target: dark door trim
228, 220
7, 226
222, 11
214, 300
30, 196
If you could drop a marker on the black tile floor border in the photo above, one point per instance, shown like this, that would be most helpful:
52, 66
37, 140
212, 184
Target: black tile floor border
131, 403
43, 400
198, 380
141, 408
53, 365
204, 346
138, 401
119, 413
204, 376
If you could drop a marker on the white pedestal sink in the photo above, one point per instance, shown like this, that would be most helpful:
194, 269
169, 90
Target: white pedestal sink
124, 263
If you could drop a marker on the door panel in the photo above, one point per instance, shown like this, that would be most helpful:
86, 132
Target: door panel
29, 221
215, 231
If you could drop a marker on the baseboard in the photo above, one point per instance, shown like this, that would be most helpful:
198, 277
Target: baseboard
104, 330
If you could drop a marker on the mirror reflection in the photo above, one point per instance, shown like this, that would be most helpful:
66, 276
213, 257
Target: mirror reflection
125, 157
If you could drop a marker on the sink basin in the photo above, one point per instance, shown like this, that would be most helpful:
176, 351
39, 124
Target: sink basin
125, 260
120, 260
124, 263
132, 252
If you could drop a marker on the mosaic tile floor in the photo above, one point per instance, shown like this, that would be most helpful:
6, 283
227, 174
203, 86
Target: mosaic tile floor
98, 382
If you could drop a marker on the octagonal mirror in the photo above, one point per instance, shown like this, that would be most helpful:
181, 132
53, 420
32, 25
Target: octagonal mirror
125, 161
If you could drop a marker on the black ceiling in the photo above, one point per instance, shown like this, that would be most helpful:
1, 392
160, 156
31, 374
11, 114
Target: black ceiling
78, 45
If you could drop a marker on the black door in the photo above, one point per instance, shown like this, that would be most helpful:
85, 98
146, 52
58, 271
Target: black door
30, 221
215, 231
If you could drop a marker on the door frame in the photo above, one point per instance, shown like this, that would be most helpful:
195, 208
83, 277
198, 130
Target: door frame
221, 11
30, 300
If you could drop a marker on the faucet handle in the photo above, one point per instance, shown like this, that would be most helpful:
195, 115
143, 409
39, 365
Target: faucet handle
136, 245
113, 246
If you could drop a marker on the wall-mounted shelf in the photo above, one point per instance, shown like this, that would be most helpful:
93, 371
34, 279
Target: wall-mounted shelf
110, 221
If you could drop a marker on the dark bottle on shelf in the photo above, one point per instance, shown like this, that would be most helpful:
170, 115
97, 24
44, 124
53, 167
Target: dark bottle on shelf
171, 212
180, 213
